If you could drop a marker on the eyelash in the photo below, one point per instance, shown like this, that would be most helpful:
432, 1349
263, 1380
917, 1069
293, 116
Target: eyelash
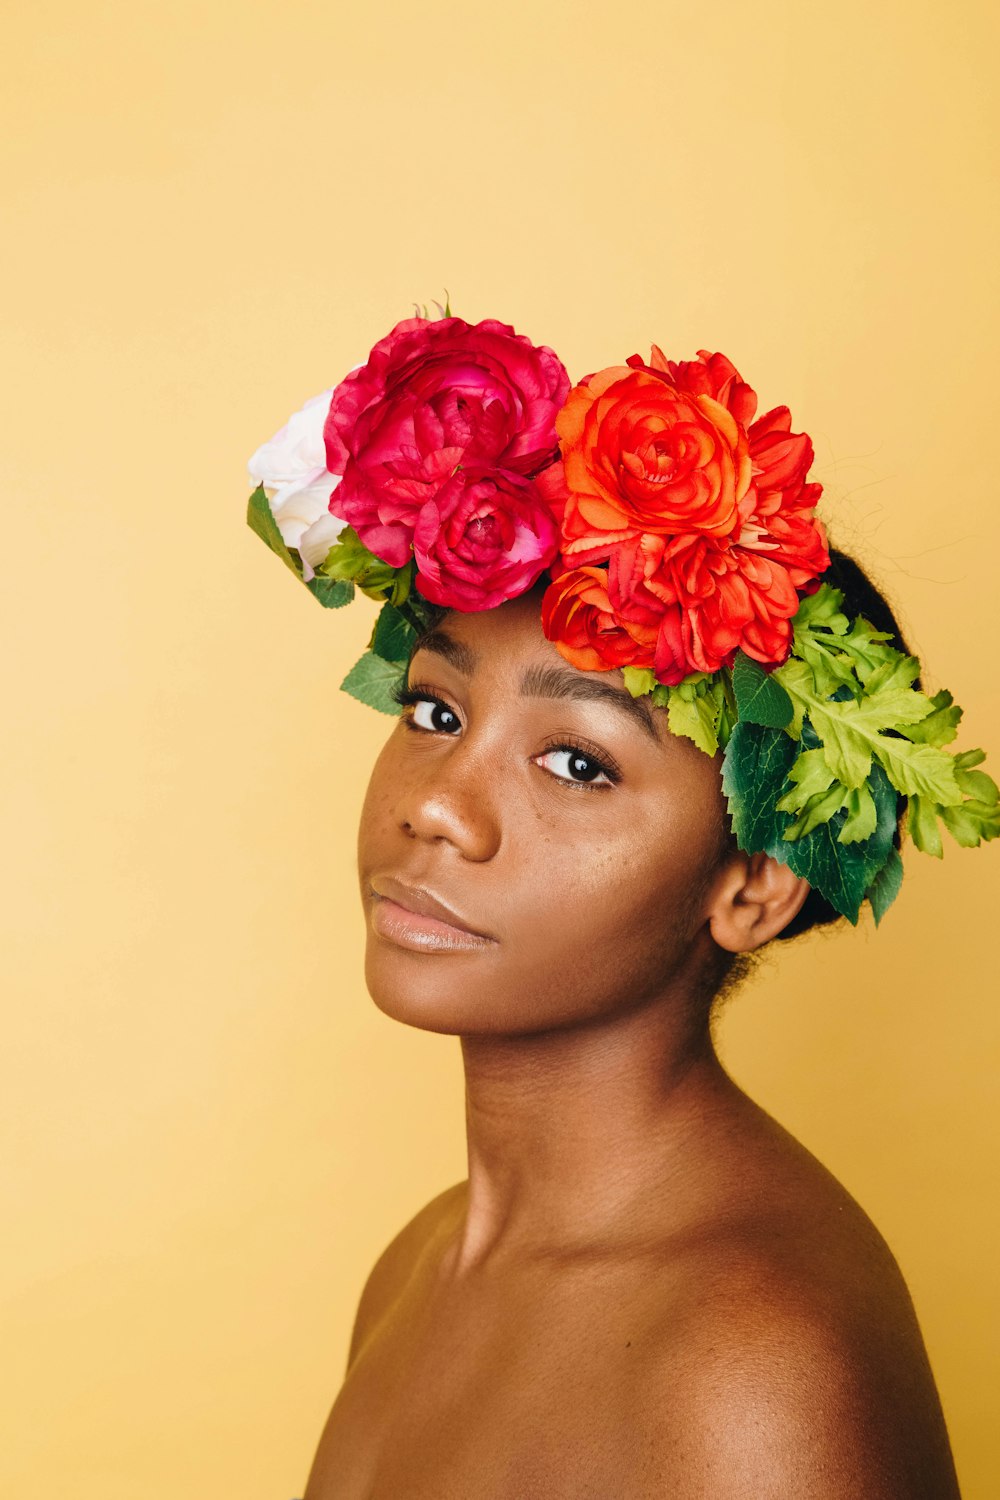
409, 697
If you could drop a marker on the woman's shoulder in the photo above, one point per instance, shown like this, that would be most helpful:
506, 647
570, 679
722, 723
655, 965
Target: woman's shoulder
396, 1265
787, 1355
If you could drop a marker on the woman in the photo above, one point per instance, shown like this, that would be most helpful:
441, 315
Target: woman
645, 1286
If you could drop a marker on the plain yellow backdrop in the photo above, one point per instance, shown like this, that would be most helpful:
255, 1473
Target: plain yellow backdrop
212, 211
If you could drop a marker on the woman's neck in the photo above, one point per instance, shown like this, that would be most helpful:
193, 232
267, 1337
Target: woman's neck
586, 1138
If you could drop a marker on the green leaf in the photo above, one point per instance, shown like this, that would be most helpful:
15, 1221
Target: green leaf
639, 680
331, 592
922, 825
393, 636
756, 764
372, 680
696, 718
938, 728
759, 698
861, 816
885, 887
261, 521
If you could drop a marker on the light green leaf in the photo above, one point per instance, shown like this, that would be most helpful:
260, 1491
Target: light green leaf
939, 727
885, 887
922, 825
639, 680
696, 718
861, 818
262, 522
760, 699
373, 680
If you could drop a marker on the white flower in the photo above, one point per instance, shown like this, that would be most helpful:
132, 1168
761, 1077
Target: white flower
298, 485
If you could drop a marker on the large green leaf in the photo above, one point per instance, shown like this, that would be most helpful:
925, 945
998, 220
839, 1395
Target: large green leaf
885, 887
754, 771
394, 636
760, 698
373, 680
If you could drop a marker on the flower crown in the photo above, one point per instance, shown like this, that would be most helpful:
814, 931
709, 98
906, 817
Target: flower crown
457, 465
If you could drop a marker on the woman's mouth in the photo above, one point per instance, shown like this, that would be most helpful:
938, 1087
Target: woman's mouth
413, 918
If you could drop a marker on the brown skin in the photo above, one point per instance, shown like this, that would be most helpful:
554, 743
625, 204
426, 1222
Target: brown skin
646, 1287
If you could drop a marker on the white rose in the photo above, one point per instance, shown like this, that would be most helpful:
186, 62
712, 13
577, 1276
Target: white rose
292, 469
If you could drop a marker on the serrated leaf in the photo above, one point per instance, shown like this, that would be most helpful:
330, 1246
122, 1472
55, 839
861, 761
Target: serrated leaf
971, 822
922, 825
821, 609
861, 818
756, 764
695, 718
262, 523
885, 887
639, 680
372, 680
940, 726
332, 593
760, 699
393, 636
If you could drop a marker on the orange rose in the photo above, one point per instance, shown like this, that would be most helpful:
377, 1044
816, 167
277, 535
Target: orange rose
641, 456
577, 616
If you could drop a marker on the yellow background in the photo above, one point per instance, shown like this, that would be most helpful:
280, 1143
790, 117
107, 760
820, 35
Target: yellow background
212, 212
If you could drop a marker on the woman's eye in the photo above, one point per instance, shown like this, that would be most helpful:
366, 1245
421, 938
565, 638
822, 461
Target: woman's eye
428, 713
572, 765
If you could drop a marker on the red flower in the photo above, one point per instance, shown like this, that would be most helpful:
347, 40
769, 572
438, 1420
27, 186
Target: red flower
577, 616
436, 395
483, 538
641, 455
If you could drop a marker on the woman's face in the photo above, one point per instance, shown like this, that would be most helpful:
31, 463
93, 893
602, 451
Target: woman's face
547, 812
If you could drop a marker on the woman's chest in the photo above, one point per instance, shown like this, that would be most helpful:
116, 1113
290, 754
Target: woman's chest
516, 1392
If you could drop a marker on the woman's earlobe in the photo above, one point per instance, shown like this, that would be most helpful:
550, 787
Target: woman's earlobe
755, 900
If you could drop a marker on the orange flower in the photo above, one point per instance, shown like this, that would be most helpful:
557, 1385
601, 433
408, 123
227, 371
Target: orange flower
577, 616
641, 456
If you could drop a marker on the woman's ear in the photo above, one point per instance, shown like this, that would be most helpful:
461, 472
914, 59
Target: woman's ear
753, 900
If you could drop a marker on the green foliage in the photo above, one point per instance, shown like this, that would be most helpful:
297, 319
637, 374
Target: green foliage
261, 521
702, 708
393, 636
350, 561
760, 698
332, 593
373, 681
885, 887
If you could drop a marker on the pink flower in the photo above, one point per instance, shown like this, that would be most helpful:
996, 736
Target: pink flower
484, 537
436, 395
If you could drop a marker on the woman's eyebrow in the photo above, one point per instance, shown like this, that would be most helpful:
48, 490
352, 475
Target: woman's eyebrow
556, 682
461, 657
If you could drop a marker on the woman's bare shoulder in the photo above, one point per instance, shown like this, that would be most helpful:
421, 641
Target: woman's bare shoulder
395, 1266
789, 1359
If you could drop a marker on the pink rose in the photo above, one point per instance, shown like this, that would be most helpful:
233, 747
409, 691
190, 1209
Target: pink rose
484, 537
436, 395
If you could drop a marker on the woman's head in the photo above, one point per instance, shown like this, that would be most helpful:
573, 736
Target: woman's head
554, 813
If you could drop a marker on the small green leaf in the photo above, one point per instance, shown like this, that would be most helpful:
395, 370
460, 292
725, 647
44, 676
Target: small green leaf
639, 680
393, 636
922, 825
696, 718
760, 699
332, 593
756, 764
861, 816
885, 887
373, 680
939, 727
262, 522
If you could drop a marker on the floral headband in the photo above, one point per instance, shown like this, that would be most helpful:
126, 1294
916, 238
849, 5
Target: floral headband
457, 465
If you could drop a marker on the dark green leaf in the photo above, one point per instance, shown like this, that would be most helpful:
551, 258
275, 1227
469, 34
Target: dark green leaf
885, 887
394, 636
754, 772
261, 521
372, 681
331, 592
760, 699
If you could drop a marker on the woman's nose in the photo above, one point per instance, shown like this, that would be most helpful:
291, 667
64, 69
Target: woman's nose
453, 802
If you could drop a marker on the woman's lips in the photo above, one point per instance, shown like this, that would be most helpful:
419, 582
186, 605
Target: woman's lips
411, 917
